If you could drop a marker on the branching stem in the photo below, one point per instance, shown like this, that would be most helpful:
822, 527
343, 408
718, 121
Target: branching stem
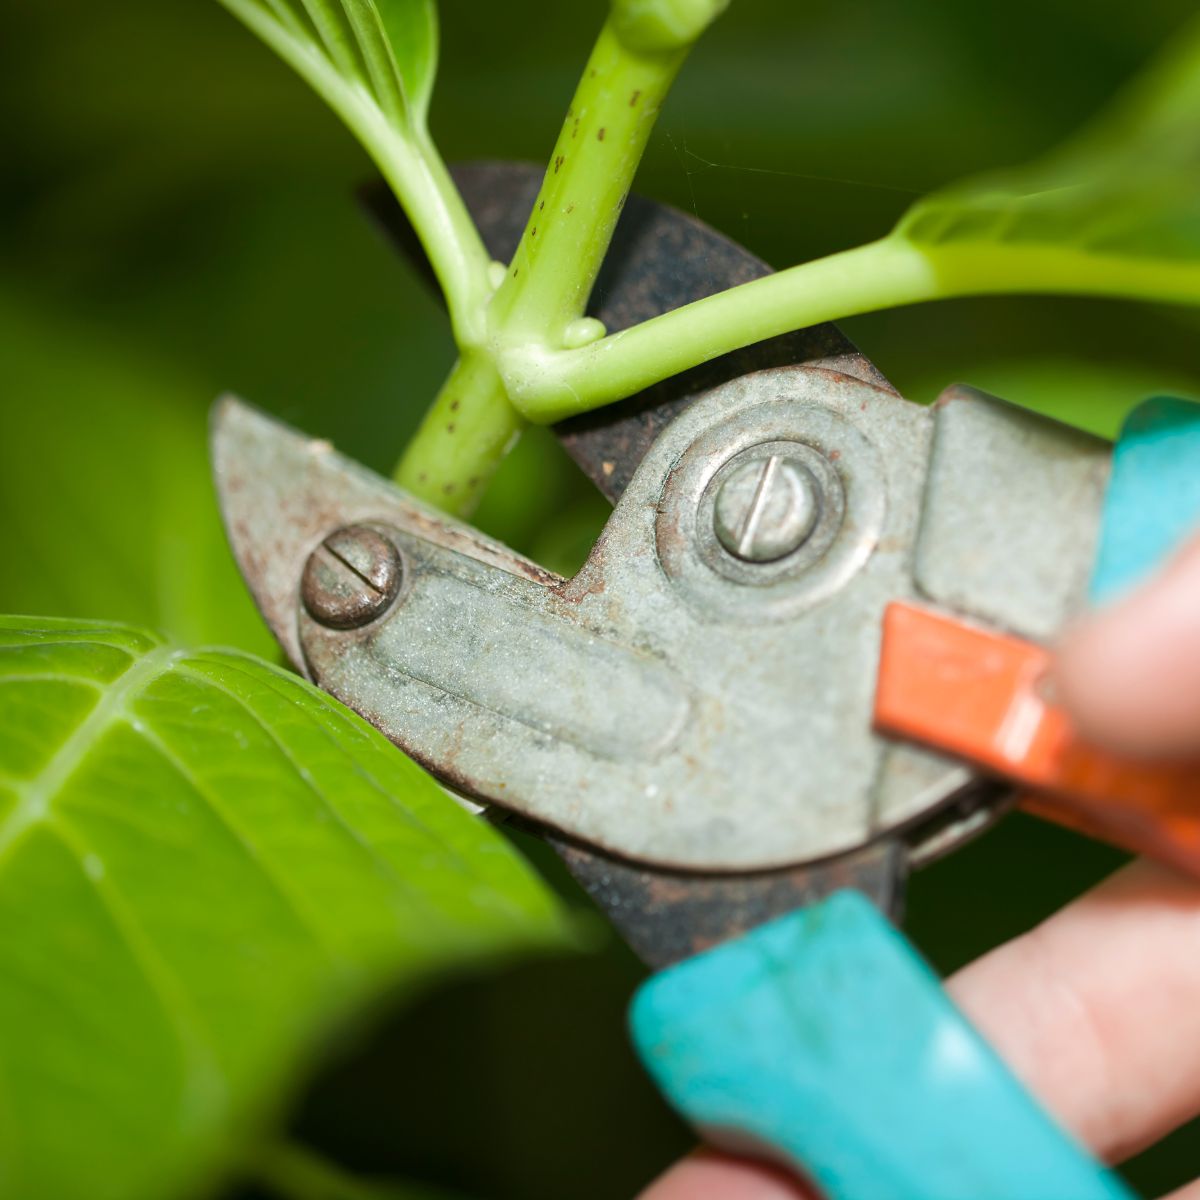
551, 385
527, 353
539, 305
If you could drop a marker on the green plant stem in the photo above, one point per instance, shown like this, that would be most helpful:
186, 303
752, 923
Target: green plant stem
412, 166
595, 158
473, 423
551, 385
446, 229
462, 439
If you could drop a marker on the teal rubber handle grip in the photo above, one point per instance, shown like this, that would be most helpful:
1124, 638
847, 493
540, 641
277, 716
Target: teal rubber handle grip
823, 1042
1152, 504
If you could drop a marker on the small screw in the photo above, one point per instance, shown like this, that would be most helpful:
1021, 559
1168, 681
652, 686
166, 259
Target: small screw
766, 509
351, 578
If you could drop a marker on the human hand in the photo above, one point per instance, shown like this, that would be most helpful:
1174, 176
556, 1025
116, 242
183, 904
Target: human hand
1097, 1010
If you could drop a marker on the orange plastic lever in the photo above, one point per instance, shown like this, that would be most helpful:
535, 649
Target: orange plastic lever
979, 696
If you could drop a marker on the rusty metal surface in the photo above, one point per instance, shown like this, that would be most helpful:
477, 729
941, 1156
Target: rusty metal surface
351, 578
709, 700
673, 709
660, 259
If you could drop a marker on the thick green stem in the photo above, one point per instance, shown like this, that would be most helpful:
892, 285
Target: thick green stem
595, 159
550, 385
545, 291
462, 439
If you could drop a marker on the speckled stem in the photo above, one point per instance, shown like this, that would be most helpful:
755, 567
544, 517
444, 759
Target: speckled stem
595, 158
462, 439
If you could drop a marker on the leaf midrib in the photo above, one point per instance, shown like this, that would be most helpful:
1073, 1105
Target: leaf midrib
36, 796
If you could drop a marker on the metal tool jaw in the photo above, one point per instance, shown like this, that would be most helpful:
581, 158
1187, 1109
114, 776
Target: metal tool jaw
689, 720
700, 695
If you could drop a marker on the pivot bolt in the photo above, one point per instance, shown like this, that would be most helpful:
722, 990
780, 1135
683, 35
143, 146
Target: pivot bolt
766, 509
351, 578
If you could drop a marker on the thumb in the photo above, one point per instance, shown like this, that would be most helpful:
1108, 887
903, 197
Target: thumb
1130, 674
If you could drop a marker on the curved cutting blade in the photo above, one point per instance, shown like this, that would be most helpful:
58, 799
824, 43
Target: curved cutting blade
283, 493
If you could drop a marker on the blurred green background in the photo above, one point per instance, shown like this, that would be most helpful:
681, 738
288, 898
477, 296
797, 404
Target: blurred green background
177, 221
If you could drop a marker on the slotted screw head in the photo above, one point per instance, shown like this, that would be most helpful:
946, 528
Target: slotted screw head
766, 509
351, 578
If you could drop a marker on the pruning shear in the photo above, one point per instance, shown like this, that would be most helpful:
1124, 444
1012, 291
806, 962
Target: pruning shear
805, 656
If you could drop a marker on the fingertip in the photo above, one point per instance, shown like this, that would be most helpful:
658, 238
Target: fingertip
707, 1175
1129, 675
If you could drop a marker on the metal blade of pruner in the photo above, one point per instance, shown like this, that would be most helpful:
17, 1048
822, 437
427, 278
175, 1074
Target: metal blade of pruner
689, 718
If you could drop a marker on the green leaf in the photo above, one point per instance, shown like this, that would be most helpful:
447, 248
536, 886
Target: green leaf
388, 46
410, 30
374, 62
395, 41
204, 863
1119, 203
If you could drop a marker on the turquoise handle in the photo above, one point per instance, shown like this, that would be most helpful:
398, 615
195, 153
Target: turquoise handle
822, 1041
1153, 498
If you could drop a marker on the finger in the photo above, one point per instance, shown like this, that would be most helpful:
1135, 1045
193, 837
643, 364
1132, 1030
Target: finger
1191, 1192
1098, 1009
1130, 675
707, 1175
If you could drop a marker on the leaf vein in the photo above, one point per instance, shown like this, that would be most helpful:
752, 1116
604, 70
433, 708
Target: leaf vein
35, 798
51, 677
